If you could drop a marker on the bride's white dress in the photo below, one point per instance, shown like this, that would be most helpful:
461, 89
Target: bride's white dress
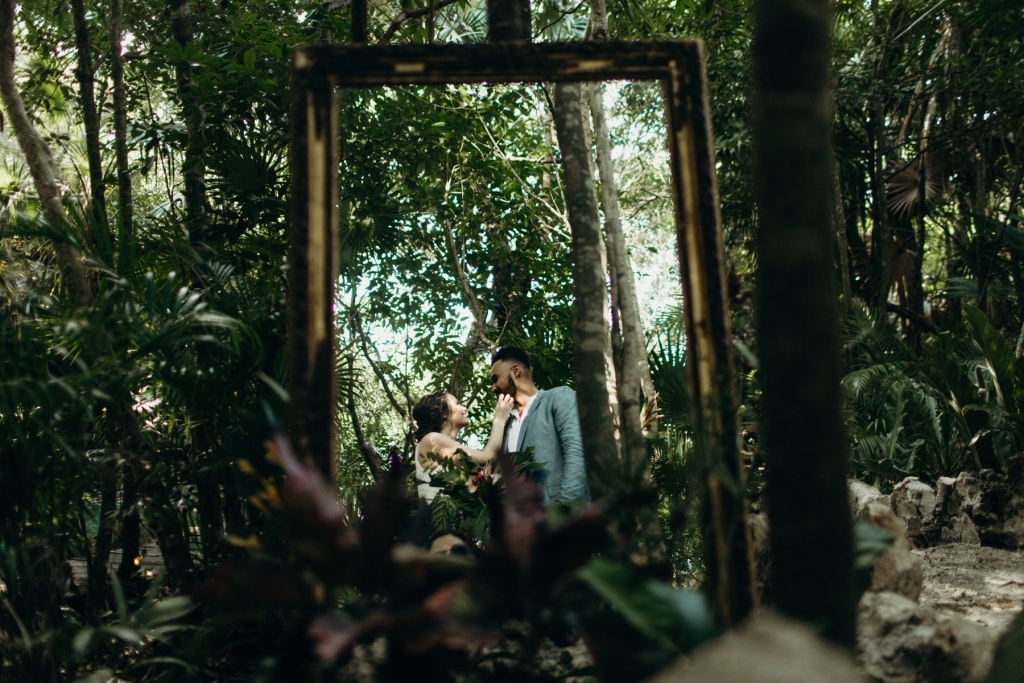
423, 487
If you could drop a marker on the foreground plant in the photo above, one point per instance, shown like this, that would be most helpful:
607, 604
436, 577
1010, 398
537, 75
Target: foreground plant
339, 582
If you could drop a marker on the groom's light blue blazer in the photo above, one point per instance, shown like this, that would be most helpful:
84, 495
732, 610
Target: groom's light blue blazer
552, 427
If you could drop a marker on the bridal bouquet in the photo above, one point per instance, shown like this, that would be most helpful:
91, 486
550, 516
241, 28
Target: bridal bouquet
466, 488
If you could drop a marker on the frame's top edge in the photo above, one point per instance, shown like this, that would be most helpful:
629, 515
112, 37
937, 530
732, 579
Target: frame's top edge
614, 46
529, 61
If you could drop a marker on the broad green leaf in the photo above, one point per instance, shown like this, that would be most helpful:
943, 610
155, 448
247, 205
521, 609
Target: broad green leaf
628, 593
81, 642
165, 612
998, 355
123, 633
1008, 666
250, 60
98, 676
869, 543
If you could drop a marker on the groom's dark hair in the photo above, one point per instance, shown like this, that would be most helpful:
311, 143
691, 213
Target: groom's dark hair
511, 353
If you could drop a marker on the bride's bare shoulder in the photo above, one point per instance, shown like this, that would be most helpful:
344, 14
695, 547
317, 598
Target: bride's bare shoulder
433, 441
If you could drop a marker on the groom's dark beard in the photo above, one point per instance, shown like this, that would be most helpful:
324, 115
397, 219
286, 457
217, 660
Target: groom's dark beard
510, 389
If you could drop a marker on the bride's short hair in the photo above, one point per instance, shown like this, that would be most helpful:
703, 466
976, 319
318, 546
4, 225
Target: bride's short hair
430, 412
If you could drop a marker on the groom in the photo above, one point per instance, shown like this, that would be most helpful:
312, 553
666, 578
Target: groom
546, 420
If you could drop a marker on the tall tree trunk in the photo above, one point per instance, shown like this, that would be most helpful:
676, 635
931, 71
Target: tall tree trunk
97, 570
40, 163
194, 165
798, 330
131, 536
842, 244
208, 500
633, 374
161, 514
126, 230
211, 519
881, 257
84, 73
129, 515
589, 325
915, 283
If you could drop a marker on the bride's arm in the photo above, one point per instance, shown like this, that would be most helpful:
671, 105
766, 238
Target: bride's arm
501, 412
446, 447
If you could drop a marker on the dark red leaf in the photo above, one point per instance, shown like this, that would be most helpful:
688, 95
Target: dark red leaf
524, 513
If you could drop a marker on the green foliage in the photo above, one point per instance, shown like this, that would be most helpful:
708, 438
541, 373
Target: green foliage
869, 543
1009, 659
677, 620
190, 338
954, 406
436, 611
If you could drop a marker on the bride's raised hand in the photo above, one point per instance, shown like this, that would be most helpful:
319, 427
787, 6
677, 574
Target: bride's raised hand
503, 408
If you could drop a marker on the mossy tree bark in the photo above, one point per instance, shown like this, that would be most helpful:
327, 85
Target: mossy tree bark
40, 164
126, 229
589, 325
194, 164
91, 119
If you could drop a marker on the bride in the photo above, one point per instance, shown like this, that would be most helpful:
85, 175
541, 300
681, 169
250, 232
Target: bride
439, 418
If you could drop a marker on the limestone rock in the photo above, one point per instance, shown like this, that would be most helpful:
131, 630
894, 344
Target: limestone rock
897, 570
951, 521
998, 512
900, 640
860, 494
767, 649
913, 501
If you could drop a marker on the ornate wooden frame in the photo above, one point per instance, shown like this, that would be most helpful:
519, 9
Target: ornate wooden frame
318, 70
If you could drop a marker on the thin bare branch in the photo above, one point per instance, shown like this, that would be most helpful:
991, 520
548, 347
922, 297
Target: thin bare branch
474, 303
357, 327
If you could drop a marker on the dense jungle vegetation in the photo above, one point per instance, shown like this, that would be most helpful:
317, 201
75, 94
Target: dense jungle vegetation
143, 271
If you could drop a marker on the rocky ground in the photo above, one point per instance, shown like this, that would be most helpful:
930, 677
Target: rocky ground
984, 585
951, 584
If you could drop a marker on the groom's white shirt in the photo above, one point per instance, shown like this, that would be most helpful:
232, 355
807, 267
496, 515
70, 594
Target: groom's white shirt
517, 424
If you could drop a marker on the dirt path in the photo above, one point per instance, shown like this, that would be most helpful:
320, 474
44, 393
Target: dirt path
984, 585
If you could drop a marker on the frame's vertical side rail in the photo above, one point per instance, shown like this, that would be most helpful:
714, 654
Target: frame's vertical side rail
311, 277
729, 577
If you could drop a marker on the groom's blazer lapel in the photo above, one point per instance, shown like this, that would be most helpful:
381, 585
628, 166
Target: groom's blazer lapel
529, 419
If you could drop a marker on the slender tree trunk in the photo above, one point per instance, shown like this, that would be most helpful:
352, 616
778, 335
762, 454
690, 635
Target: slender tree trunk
161, 514
97, 572
842, 244
798, 330
194, 165
126, 229
915, 285
635, 379
40, 163
211, 520
208, 503
633, 374
131, 537
589, 325
881, 258
234, 503
90, 117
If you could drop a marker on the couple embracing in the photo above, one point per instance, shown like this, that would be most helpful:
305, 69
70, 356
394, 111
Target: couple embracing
524, 416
